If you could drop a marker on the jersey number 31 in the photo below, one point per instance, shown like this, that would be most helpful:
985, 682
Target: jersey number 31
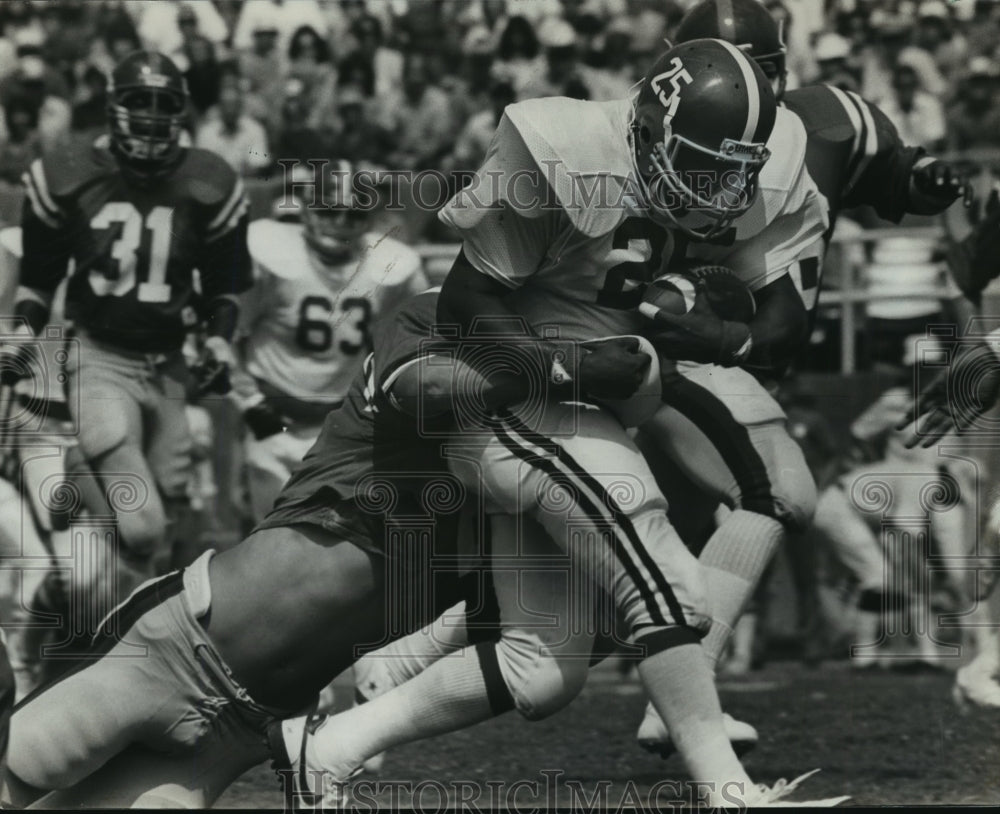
121, 278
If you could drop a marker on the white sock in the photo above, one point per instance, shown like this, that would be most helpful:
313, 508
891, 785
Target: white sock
679, 682
407, 657
734, 559
450, 694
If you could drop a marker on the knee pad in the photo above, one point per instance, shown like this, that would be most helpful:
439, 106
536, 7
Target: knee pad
539, 683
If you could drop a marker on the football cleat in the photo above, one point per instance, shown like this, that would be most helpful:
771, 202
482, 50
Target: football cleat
773, 796
654, 737
288, 740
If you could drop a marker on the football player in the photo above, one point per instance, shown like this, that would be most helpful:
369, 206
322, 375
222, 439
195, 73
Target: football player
319, 286
136, 214
600, 222
726, 434
954, 400
681, 162
245, 637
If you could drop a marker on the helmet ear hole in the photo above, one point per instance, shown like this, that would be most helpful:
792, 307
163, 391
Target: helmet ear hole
645, 135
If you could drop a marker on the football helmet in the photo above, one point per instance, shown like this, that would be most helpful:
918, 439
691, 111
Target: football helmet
749, 26
147, 110
336, 219
701, 121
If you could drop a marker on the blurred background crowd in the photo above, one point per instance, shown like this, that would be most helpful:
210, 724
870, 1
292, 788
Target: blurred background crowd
421, 84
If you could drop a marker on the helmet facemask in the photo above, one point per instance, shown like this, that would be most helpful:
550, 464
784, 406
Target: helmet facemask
332, 233
699, 190
146, 124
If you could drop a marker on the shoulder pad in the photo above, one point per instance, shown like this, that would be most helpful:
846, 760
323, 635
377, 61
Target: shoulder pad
208, 178
277, 248
822, 113
65, 171
788, 152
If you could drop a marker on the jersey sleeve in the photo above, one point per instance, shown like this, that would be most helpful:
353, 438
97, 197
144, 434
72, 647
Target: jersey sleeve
224, 262
403, 337
46, 249
506, 216
880, 165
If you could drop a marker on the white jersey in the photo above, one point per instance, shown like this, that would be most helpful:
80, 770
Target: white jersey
307, 328
552, 213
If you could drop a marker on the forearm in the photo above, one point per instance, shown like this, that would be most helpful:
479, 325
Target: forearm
778, 329
34, 307
222, 317
477, 305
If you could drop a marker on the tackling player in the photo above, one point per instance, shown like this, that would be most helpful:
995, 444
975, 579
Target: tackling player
726, 434
136, 214
319, 287
245, 637
683, 160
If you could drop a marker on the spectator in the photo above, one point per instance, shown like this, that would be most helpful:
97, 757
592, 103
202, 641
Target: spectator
832, 54
356, 71
359, 138
385, 64
233, 135
287, 15
892, 47
54, 112
473, 141
309, 62
261, 64
90, 114
160, 25
297, 138
974, 120
518, 53
201, 68
564, 74
23, 143
918, 115
935, 35
420, 117
983, 31
561, 62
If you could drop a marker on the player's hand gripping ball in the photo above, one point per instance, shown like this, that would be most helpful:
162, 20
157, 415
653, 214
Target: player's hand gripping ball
700, 315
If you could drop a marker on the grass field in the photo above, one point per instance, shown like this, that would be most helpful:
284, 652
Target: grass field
882, 737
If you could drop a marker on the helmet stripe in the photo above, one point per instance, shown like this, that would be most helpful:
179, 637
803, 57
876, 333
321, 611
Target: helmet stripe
753, 92
726, 20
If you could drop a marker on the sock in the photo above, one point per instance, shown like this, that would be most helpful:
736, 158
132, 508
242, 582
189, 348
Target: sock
405, 658
733, 562
450, 694
679, 682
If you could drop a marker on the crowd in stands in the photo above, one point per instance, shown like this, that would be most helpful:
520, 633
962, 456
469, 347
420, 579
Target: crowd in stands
420, 85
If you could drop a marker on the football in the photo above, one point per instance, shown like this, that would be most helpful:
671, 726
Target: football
671, 294
727, 295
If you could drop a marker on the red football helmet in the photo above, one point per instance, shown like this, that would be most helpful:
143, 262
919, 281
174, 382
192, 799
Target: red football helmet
147, 111
699, 132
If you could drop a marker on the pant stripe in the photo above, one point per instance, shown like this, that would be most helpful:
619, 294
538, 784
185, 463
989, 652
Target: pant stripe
729, 437
143, 599
652, 572
652, 586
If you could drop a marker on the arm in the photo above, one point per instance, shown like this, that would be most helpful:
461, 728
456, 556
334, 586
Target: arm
45, 251
778, 329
